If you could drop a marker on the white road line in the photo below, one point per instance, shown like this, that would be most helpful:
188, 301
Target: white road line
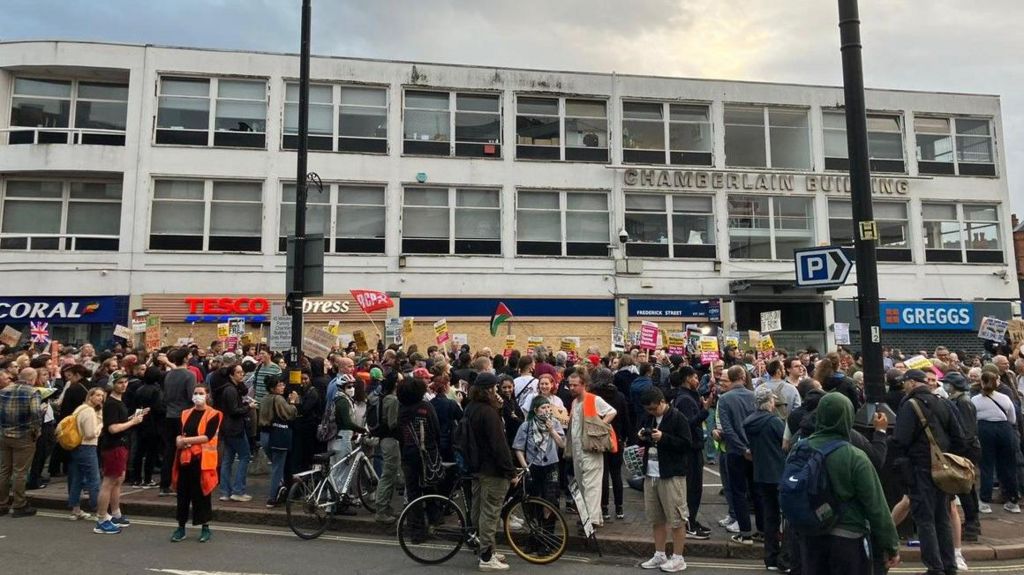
712, 472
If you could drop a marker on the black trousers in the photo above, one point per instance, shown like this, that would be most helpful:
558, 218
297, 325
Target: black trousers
170, 429
930, 509
832, 555
190, 495
144, 456
613, 476
774, 555
694, 482
44, 445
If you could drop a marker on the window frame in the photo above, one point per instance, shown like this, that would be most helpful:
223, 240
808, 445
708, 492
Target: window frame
207, 202
766, 110
880, 165
212, 97
453, 209
956, 167
564, 150
885, 254
70, 134
655, 249
333, 204
66, 241
456, 148
375, 145
773, 227
565, 213
965, 253
669, 155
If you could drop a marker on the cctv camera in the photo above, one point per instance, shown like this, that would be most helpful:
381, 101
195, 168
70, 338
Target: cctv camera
623, 235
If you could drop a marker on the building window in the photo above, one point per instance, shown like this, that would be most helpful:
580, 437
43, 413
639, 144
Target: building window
239, 117
956, 233
362, 114
645, 131
562, 223
935, 138
60, 215
670, 226
765, 137
206, 215
769, 227
885, 142
554, 128
68, 111
893, 229
451, 221
351, 217
430, 120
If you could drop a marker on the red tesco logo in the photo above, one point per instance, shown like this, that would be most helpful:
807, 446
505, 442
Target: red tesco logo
227, 305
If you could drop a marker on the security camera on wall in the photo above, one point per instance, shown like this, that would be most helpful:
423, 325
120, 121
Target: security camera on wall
623, 235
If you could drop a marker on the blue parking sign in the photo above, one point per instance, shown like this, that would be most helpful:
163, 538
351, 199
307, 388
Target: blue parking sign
822, 267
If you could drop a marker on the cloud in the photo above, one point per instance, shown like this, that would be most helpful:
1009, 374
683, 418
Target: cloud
940, 45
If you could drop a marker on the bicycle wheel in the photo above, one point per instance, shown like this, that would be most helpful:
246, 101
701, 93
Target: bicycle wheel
536, 530
365, 483
431, 529
309, 510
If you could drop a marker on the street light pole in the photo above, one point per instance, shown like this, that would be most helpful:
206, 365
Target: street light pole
865, 231
295, 297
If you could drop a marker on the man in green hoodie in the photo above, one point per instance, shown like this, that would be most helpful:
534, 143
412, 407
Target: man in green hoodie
863, 512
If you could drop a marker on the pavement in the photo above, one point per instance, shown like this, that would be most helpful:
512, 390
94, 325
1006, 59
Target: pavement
1002, 536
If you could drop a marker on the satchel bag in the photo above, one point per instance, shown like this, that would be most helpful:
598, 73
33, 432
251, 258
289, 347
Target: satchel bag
951, 473
597, 435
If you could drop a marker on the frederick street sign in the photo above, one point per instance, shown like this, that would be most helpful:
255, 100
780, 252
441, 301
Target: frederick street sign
824, 267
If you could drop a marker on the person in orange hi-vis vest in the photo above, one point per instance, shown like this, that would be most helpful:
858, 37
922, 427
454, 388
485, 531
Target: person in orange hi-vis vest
587, 462
194, 475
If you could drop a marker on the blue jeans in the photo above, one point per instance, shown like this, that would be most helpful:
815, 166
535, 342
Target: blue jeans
277, 461
234, 446
84, 471
997, 459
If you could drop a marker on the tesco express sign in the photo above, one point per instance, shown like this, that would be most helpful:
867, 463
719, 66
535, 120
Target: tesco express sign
255, 309
952, 316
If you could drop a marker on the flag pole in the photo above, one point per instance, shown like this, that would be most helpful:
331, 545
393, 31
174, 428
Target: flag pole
379, 336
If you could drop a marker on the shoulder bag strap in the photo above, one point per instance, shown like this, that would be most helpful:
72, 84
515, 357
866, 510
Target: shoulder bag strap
924, 424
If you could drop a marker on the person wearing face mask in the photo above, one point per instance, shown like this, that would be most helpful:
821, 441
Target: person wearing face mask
536, 446
194, 474
344, 416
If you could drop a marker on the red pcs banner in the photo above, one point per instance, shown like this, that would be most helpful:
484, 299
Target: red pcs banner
371, 301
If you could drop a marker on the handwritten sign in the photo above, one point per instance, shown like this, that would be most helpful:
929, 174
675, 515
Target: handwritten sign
765, 343
441, 331
122, 331
318, 342
10, 336
360, 338
280, 327
153, 337
993, 329
771, 321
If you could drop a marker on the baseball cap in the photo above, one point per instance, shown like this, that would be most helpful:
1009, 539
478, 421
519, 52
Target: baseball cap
914, 375
956, 380
485, 379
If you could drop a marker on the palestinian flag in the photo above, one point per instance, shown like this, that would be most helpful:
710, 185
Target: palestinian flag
501, 315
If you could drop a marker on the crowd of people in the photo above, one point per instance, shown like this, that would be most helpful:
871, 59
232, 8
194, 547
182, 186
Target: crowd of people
189, 420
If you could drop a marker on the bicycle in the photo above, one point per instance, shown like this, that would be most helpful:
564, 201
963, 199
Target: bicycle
314, 497
433, 528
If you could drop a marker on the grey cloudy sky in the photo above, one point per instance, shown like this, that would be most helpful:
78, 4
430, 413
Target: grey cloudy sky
942, 45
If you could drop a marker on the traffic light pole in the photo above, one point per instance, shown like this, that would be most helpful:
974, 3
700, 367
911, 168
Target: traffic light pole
865, 231
298, 271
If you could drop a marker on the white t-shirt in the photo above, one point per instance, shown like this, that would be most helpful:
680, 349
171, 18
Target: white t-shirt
554, 399
653, 469
525, 387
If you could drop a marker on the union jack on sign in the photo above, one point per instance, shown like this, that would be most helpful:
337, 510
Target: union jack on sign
40, 331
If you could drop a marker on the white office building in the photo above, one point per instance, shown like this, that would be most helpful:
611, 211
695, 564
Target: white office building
163, 178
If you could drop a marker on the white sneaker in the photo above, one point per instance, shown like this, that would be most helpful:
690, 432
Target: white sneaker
658, 560
725, 520
515, 523
961, 564
984, 507
241, 498
493, 565
733, 527
82, 515
1011, 507
674, 565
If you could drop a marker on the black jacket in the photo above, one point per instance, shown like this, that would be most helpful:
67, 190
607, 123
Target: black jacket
846, 386
622, 424
234, 410
909, 438
877, 448
688, 402
968, 422
487, 439
675, 445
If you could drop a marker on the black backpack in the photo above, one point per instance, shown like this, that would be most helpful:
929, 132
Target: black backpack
466, 457
805, 491
375, 424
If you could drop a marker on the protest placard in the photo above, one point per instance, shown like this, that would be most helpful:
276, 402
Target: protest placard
842, 333
10, 336
154, 338
280, 328
765, 343
441, 331
677, 343
771, 321
460, 339
708, 343
1015, 330
362, 346
122, 331
618, 339
318, 342
918, 362
648, 335
993, 329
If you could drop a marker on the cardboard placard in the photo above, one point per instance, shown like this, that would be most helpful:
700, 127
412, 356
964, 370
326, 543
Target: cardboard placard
10, 336
360, 338
842, 333
441, 334
223, 330
771, 321
460, 339
318, 342
618, 339
510, 344
918, 362
993, 329
753, 337
393, 330
407, 324
648, 335
1015, 330
154, 339
570, 345
334, 327
121, 331
765, 343
534, 341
